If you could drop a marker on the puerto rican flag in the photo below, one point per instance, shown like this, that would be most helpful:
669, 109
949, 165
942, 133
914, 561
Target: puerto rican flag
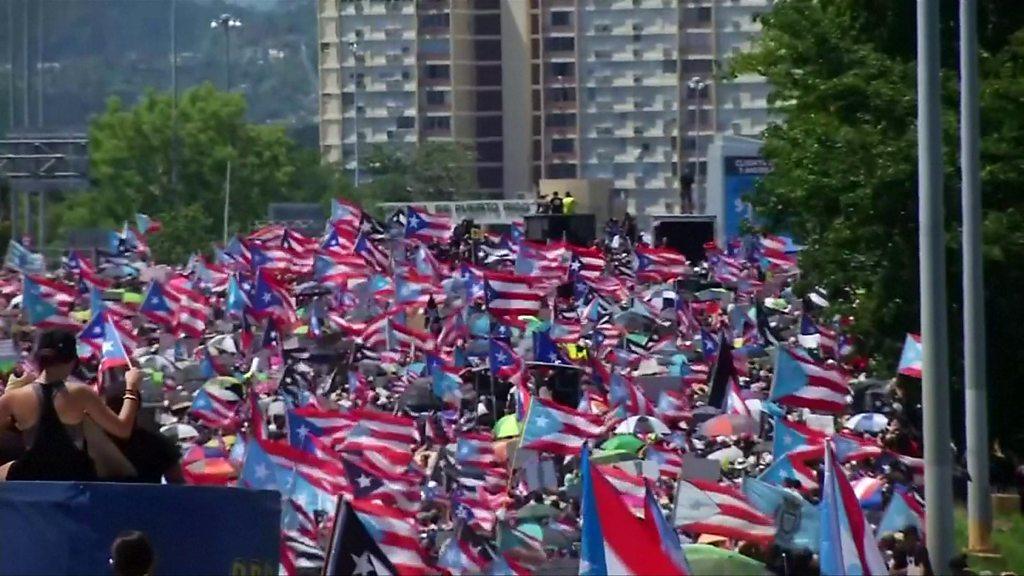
427, 227
848, 545
157, 307
213, 407
587, 262
551, 427
910, 359
659, 264
510, 295
712, 508
614, 541
800, 382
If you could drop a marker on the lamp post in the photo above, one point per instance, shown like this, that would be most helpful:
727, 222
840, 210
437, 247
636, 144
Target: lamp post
354, 47
226, 22
697, 85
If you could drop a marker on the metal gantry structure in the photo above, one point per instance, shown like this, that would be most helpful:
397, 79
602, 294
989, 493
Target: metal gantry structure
35, 165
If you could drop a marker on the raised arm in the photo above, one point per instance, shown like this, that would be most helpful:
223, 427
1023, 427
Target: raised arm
119, 425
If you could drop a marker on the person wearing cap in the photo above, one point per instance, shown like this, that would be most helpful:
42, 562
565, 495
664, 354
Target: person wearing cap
50, 415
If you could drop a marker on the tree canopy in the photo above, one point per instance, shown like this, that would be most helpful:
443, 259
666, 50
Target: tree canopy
845, 169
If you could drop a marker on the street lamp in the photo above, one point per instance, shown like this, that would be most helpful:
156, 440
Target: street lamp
697, 86
226, 22
354, 47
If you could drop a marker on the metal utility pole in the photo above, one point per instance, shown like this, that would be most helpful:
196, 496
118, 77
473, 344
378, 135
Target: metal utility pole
10, 61
39, 64
938, 458
226, 22
24, 63
355, 106
227, 200
174, 94
697, 86
979, 501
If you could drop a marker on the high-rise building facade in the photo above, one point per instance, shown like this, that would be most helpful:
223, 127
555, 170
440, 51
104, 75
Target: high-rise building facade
622, 89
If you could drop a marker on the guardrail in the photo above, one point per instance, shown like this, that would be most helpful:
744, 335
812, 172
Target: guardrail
480, 211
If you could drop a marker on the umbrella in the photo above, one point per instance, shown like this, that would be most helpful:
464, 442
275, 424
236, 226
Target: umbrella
157, 362
624, 442
179, 432
728, 425
507, 427
703, 413
536, 511
705, 559
727, 454
610, 456
642, 425
870, 422
223, 343
531, 529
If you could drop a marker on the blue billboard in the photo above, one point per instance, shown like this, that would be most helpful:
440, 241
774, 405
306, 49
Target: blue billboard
742, 173
58, 528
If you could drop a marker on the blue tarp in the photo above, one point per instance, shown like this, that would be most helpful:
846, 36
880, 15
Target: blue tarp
67, 528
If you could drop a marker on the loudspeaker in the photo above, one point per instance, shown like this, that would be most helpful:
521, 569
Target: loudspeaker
578, 229
686, 235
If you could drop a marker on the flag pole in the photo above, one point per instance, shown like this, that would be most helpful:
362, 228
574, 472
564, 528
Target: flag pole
938, 458
979, 502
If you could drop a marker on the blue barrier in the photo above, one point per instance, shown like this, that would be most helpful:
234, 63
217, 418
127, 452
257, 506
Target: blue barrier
67, 528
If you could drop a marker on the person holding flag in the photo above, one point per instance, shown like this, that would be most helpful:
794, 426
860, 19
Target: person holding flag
50, 414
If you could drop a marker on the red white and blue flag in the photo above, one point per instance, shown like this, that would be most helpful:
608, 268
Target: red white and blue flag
848, 544
801, 382
910, 359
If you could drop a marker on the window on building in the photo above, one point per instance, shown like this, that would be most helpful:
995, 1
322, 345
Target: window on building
669, 66
561, 120
563, 69
436, 71
560, 44
562, 145
435, 98
488, 75
561, 170
487, 50
488, 101
440, 20
562, 94
406, 122
488, 126
561, 18
489, 151
487, 24
437, 123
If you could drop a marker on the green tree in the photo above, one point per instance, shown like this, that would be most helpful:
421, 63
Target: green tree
845, 175
430, 171
131, 155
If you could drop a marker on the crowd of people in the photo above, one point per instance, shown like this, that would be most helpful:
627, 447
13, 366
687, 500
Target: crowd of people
469, 395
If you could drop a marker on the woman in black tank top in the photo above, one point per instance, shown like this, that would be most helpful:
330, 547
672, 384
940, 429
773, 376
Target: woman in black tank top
56, 451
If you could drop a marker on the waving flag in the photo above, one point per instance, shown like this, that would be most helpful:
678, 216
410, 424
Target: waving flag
712, 508
112, 353
587, 262
147, 225
23, 260
803, 383
546, 351
910, 359
551, 427
385, 541
670, 543
659, 264
215, 408
848, 546
427, 227
371, 253
796, 519
614, 541
903, 511
509, 295
156, 307
40, 310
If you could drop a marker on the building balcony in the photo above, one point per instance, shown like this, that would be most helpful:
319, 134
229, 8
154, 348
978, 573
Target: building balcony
560, 106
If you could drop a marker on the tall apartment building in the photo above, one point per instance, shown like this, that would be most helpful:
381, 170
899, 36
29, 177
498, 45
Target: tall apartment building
541, 88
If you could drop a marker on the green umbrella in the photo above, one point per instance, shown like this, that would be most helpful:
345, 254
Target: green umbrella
535, 511
624, 442
131, 298
533, 530
506, 427
704, 559
610, 456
